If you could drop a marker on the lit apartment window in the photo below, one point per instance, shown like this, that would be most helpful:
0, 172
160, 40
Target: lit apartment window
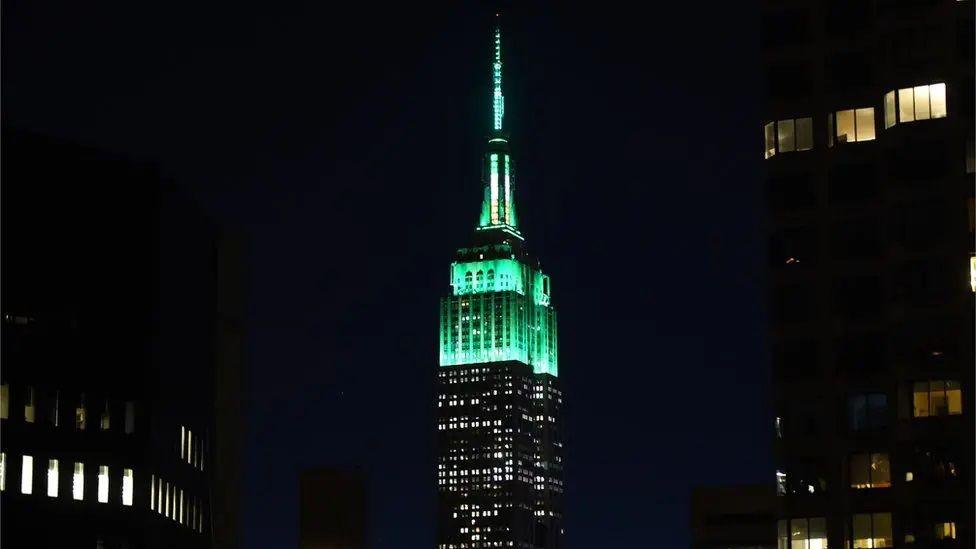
792, 134
945, 530
78, 482
81, 414
181, 506
189, 446
27, 475
127, 486
105, 420
916, 103
4, 401
872, 530
52, 478
182, 442
937, 398
802, 533
166, 507
159, 496
850, 125
972, 273
103, 484
870, 471
152, 493
130, 417
3, 471
29, 407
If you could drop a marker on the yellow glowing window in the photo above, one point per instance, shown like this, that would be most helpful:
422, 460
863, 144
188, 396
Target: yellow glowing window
29, 408
78, 482
793, 134
972, 273
786, 135
52, 478
802, 533
81, 418
889, 109
945, 530
870, 471
852, 125
4, 401
872, 530
936, 398
918, 103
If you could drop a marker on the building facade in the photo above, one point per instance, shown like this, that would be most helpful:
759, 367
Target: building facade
499, 440
122, 338
333, 509
868, 142
733, 517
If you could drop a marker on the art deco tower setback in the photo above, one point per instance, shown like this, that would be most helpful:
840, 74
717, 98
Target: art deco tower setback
499, 455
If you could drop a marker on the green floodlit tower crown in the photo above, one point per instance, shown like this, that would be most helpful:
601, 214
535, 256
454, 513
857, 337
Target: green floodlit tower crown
501, 307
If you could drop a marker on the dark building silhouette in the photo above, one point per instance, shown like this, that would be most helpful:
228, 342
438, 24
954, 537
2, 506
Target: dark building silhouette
499, 460
333, 509
733, 517
122, 350
868, 138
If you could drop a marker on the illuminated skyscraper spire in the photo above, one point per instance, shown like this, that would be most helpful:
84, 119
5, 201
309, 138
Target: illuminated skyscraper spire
498, 100
498, 207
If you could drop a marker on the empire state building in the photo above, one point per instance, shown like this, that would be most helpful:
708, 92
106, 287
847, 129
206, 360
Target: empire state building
499, 437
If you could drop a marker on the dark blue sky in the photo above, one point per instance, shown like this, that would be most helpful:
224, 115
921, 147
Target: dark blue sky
345, 143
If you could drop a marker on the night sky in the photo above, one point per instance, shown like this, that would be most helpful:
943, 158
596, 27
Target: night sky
345, 143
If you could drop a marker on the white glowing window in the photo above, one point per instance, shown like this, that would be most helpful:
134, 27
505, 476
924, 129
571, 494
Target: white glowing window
166, 507
152, 492
103, 484
189, 445
181, 506
78, 482
3, 471
52, 478
127, 486
182, 442
27, 475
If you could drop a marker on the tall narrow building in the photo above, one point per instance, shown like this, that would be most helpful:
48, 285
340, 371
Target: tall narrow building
869, 174
499, 462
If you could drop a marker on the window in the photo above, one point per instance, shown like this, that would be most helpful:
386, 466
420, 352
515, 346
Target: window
972, 273
182, 442
792, 134
937, 398
52, 478
802, 533
915, 103
78, 482
130, 417
103, 484
80, 415
3, 471
152, 492
889, 107
27, 475
868, 411
29, 406
127, 487
4, 401
872, 530
870, 471
945, 530
105, 421
56, 409
851, 125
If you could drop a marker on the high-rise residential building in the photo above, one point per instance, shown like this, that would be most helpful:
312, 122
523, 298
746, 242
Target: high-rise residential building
499, 452
120, 399
733, 517
332, 509
868, 143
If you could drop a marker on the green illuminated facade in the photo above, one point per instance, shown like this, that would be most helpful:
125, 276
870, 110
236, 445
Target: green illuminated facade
501, 304
499, 436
